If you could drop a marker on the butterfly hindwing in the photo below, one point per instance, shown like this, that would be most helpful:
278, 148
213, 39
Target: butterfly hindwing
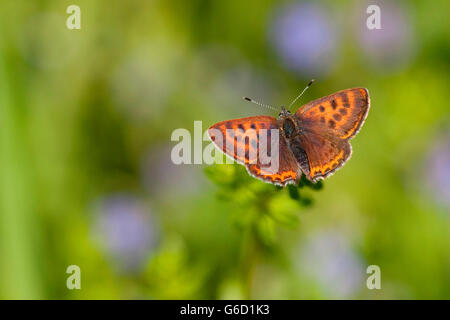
288, 169
313, 141
325, 154
238, 138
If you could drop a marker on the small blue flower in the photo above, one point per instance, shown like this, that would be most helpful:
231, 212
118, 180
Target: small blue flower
437, 170
328, 258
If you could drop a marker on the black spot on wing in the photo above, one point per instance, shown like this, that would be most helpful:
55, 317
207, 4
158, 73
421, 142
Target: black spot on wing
345, 101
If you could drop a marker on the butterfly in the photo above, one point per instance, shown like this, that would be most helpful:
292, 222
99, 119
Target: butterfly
313, 141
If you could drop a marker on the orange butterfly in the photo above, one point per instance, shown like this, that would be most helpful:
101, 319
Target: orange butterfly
313, 141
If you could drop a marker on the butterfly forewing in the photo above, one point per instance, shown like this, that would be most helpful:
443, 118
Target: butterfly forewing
340, 114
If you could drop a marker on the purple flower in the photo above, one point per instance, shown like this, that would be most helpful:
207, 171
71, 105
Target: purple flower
328, 258
305, 39
437, 170
126, 230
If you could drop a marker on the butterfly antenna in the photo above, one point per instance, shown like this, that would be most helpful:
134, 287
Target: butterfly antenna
306, 88
260, 104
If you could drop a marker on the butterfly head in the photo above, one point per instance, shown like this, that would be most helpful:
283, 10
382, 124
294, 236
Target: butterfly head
284, 112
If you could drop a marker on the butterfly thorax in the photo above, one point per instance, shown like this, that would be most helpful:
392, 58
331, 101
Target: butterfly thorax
291, 132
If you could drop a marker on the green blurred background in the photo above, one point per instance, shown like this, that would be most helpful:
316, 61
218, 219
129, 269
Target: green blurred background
86, 118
